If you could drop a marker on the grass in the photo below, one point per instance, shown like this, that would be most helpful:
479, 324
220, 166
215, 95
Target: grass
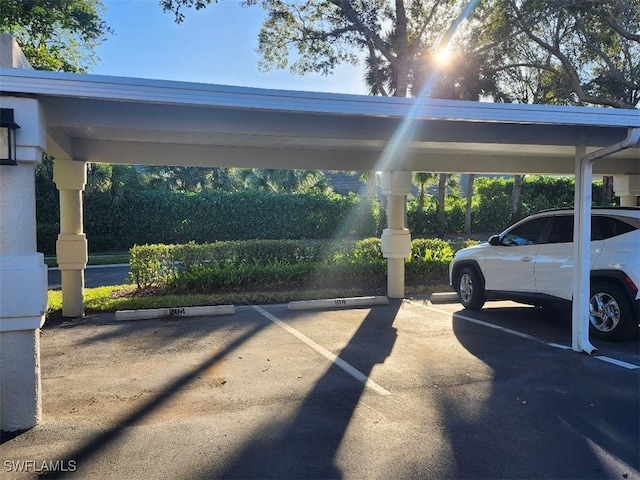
128, 297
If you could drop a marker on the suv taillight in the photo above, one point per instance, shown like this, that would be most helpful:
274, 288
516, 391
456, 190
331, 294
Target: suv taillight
630, 283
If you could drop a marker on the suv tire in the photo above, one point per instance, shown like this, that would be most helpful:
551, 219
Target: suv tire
470, 289
610, 312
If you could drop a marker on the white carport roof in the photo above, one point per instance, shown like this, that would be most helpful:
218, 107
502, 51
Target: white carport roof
137, 121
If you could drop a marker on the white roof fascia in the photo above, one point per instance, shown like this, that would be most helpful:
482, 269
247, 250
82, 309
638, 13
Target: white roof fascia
39, 82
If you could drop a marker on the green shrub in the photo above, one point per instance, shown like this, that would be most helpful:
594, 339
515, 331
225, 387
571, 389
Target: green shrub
156, 264
454, 214
430, 258
268, 263
425, 249
461, 243
365, 251
151, 264
421, 221
229, 276
149, 217
47, 235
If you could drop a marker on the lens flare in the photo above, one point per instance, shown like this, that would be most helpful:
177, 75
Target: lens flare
443, 56
398, 145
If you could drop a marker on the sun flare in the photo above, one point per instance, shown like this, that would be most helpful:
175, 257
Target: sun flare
443, 56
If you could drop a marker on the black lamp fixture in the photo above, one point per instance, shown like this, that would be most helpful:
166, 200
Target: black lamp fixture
7, 137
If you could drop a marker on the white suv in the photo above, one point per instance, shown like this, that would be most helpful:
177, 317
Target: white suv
532, 262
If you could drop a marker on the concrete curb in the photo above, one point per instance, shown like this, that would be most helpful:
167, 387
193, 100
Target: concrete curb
338, 303
444, 297
157, 313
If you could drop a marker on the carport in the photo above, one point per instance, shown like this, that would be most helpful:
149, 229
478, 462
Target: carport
86, 118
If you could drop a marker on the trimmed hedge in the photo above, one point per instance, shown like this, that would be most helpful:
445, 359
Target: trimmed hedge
152, 216
161, 217
200, 268
155, 264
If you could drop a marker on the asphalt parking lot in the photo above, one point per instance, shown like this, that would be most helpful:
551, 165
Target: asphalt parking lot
405, 390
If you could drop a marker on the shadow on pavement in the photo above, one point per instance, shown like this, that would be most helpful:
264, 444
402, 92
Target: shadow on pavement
549, 413
307, 446
103, 441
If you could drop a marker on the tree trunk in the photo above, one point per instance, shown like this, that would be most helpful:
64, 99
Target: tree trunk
516, 207
372, 185
421, 197
467, 212
402, 57
442, 191
607, 190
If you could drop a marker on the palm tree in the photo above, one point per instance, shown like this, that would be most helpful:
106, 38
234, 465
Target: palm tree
116, 179
284, 180
191, 179
421, 180
312, 181
257, 179
226, 179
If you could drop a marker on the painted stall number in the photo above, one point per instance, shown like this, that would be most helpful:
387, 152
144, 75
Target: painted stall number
341, 302
176, 311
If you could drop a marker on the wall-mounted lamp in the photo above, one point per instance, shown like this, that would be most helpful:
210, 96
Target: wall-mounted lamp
7, 137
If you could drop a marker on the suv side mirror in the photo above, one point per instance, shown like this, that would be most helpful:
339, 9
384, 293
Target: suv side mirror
495, 241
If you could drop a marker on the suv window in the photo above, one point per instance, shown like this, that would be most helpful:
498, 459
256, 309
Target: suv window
601, 228
610, 227
562, 229
527, 233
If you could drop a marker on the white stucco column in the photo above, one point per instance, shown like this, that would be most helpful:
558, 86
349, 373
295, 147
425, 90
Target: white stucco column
396, 239
71, 248
23, 274
627, 187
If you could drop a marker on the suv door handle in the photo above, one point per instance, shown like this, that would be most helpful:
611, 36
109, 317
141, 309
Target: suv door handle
526, 259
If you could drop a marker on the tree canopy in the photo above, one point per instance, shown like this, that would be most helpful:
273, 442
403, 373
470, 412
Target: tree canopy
54, 34
539, 51
567, 51
316, 36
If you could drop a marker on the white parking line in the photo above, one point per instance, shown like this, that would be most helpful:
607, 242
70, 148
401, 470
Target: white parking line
491, 325
613, 361
355, 373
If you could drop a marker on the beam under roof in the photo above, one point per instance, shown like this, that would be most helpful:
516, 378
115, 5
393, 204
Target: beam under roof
127, 120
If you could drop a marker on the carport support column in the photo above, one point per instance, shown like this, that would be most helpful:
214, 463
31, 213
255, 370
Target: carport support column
71, 248
627, 187
581, 251
582, 234
23, 274
396, 239
582, 247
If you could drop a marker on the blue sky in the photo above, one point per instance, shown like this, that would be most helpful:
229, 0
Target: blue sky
215, 45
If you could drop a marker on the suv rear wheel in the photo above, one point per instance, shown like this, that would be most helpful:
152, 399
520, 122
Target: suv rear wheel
470, 289
610, 312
